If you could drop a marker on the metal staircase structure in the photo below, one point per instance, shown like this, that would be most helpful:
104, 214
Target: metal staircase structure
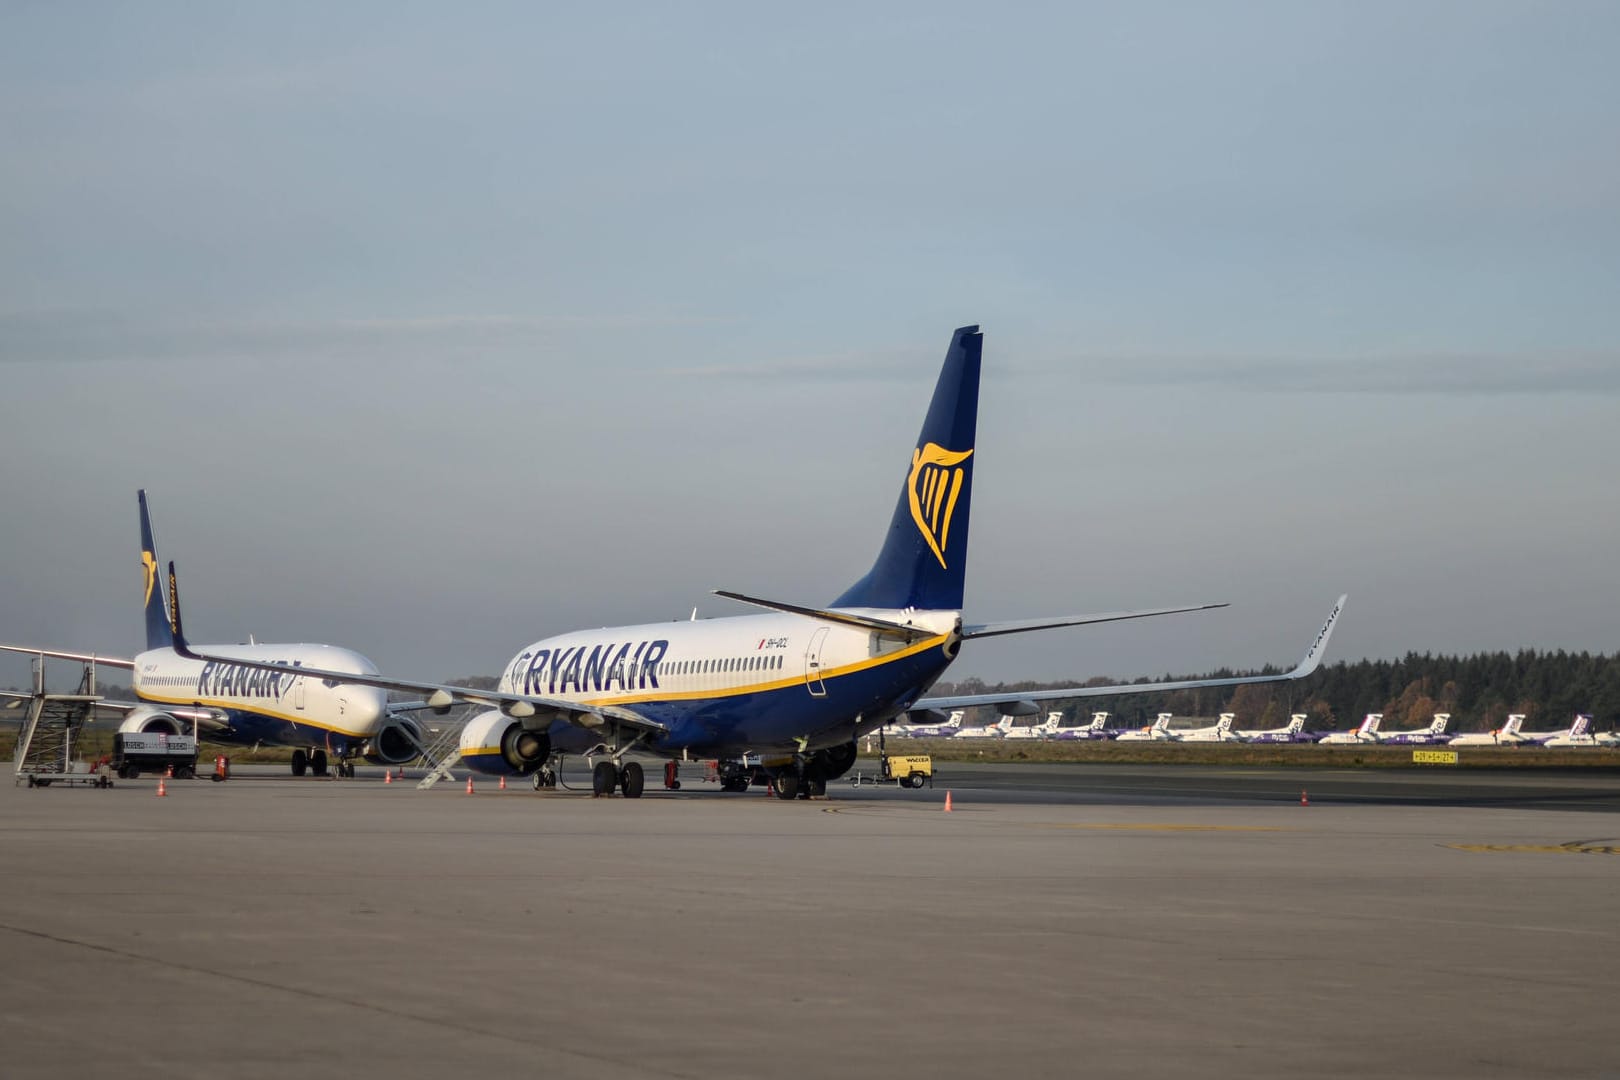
44, 752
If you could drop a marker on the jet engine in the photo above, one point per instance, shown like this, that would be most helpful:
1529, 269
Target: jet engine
396, 743
522, 750
149, 721
835, 761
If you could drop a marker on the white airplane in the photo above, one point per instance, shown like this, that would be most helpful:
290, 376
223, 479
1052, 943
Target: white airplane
1097, 729
1607, 738
997, 730
1434, 733
1366, 733
801, 682
942, 730
1577, 734
1219, 731
1293, 731
1158, 732
254, 694
1037, 731
1505, 735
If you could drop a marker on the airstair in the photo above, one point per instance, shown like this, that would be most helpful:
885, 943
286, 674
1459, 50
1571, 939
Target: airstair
441, 753
45, 743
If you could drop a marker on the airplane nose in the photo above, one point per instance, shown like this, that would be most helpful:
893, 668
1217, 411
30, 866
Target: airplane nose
370, 705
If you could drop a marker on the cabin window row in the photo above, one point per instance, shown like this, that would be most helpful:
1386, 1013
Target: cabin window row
770, 662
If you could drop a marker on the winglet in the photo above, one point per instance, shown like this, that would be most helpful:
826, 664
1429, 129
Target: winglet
1313, 655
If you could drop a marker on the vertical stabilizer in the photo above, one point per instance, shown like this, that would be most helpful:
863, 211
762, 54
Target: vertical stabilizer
924, 554
1511, 727
1578, 728
1296, 723
1369, 725
1438, 726
158, 634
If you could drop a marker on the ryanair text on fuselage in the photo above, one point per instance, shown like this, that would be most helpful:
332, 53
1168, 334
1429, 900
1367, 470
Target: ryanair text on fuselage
589, 667
219, 679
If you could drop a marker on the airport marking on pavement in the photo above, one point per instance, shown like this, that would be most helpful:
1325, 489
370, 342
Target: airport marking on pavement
1571, 847
1156, 827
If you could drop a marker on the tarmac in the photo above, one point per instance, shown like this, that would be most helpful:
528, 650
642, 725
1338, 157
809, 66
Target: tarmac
1172, 924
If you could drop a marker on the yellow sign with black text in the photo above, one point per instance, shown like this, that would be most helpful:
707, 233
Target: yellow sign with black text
1434, 757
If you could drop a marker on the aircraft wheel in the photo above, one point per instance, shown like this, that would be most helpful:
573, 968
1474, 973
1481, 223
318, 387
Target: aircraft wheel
787, 786
632, 780
815, 786
604, 778
300, 762
317, 763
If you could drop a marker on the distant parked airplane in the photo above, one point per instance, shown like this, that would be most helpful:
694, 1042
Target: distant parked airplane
1097, 729
1159, 732
1366, 733
1037, 731
1219, 731
1505, 735
1293, 731
1577, 734
1434, 733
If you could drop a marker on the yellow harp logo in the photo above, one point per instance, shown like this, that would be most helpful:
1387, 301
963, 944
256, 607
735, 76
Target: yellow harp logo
149, 564
933, 488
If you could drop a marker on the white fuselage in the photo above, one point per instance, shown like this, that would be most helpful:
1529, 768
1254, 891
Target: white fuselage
268, 706
790, 676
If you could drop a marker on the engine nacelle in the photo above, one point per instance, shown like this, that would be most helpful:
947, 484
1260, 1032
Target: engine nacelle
149, 721
396, 743
495, 743
835, 761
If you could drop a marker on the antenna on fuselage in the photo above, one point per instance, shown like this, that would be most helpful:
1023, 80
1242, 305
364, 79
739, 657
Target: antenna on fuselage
694, 616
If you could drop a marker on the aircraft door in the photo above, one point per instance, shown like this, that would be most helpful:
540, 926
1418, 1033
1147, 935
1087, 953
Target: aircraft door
298, 693
812, 663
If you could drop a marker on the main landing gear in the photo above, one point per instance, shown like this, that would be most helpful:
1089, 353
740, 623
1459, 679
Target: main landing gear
629, 778
314, 762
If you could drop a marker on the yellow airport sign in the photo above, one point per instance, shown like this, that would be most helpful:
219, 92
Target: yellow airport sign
1434, 757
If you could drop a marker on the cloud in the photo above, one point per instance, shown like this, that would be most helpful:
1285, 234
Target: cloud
1415, 373
86, 336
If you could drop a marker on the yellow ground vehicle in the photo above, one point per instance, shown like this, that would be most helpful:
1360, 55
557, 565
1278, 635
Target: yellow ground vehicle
911, 770
908, 770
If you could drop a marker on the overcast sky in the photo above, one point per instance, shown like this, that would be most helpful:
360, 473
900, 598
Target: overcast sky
435, 329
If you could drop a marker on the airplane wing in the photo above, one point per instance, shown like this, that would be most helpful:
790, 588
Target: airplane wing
438, 695
86, 658
1313, 658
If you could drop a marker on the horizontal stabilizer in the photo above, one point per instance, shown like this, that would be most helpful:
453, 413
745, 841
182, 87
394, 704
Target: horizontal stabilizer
1313, 658
865, 622
1024, 626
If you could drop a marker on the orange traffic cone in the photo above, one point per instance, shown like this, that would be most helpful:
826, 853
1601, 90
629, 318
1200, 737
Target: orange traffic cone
1304, 799
163, 792
947, 802
469, 785
388, 776
503, 783
169, 772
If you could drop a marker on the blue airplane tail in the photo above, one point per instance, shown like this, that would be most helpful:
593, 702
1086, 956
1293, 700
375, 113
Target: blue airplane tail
159, 635
924, 557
